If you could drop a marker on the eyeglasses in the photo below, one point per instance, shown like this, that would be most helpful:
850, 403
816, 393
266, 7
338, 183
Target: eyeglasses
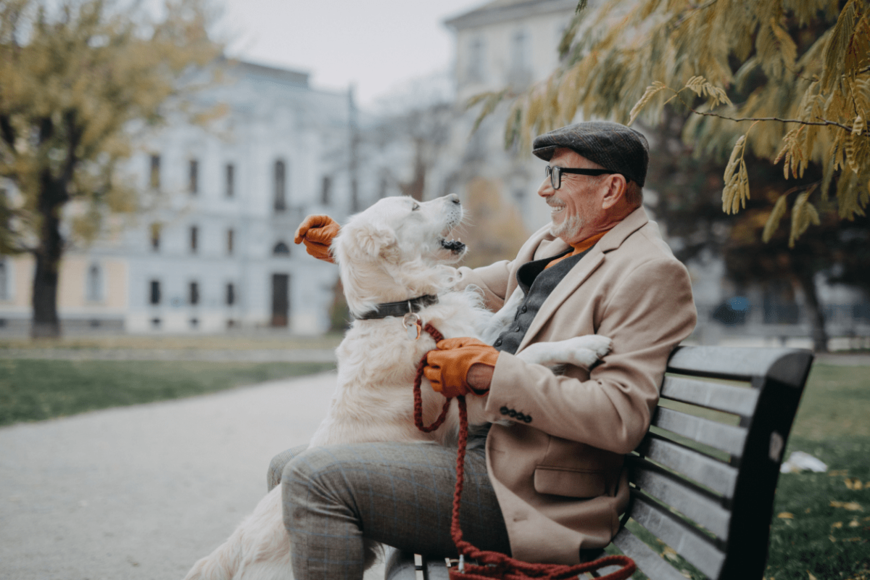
555, 173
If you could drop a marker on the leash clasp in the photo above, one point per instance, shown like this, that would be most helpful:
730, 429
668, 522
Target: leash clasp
413, 325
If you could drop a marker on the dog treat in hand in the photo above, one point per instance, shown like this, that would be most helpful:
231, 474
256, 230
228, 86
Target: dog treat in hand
317, 233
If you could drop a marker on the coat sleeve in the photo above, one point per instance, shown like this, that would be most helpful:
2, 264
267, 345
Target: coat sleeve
648, 313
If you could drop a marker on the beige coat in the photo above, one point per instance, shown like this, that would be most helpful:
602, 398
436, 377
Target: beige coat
560, 479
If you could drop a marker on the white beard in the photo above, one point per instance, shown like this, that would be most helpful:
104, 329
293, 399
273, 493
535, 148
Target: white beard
568, 229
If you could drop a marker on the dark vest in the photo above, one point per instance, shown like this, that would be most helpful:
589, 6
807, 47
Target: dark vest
537, 282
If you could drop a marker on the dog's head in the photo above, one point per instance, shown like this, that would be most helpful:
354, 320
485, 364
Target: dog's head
398, 248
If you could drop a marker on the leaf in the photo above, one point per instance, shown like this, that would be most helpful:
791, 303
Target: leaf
851, 506
670, 554
647, 96
835, 52
803, 214
837, 525
810, 574
785, 516
774, 218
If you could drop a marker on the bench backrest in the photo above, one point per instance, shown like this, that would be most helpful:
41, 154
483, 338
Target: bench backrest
704, 478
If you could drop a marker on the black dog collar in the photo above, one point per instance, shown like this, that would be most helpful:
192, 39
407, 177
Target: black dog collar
400, 308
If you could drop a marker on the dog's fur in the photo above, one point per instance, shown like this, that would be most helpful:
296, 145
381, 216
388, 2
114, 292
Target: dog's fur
395, 250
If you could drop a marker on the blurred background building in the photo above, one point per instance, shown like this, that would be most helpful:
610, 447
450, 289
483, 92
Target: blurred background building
214, 250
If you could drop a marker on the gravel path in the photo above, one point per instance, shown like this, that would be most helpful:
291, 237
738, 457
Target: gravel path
140, 493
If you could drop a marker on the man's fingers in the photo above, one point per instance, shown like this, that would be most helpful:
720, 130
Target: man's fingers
319, 236
312, 222
459, 342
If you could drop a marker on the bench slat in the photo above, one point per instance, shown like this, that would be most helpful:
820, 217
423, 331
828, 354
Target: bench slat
786, 365
653, 565
705, 470
718, 436
727, 398
686, 541
667, 488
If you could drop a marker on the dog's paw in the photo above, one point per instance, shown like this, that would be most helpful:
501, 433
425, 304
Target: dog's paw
598, 344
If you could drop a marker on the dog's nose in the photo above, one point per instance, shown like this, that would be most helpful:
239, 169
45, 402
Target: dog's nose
454, 198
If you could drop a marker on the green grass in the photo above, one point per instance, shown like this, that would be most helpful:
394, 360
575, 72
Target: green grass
35, 390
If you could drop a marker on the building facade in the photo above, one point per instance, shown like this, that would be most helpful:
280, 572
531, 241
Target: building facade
214, 248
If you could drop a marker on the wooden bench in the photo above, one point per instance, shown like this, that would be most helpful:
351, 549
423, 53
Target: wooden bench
703, 480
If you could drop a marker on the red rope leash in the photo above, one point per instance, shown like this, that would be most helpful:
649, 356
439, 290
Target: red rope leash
495, 564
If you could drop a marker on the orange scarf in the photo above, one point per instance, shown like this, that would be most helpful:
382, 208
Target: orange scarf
579, 247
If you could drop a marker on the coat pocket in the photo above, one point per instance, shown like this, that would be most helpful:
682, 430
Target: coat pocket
570, 483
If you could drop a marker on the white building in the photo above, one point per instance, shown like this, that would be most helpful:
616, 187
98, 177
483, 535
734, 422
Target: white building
216, 248
504, 43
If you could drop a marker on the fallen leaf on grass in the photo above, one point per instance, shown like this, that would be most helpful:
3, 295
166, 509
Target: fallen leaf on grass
832, 538
837, 525
810, 574
838, 473
786, 516
851, 506
854, 524
669, 553
854, 484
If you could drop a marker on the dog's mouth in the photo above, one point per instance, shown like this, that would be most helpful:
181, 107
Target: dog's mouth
454, 246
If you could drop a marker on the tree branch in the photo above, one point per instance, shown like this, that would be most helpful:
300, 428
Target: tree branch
823, 122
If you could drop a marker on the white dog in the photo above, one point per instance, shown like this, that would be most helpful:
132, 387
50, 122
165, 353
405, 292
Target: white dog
397, 251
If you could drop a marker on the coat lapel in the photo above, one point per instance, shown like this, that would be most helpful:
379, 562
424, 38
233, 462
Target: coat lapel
584, 268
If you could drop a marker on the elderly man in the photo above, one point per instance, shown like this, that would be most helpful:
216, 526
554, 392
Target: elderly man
553, 483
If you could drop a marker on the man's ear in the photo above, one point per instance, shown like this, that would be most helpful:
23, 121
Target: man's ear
616, 188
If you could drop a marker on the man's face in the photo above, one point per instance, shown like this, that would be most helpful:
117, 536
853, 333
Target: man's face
576, 207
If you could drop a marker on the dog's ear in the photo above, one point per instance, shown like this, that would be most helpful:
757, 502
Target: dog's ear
370, 242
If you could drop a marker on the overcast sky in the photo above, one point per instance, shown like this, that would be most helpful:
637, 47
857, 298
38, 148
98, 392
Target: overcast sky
377, 45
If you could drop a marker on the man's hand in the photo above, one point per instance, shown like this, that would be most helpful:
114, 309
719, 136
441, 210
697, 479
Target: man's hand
317, 233
448, 367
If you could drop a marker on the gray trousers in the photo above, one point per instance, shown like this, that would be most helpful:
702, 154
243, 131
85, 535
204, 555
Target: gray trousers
399, 494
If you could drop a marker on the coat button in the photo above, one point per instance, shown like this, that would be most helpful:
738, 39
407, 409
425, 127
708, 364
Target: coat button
512, 413
503, 410
521, 417
527, 418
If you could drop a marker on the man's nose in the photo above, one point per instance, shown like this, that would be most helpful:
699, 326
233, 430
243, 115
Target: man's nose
546, 189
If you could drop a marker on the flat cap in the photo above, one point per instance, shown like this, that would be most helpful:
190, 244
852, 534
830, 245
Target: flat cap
611, 145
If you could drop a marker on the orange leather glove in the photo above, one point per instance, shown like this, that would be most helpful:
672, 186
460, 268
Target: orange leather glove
447, 367
317, 233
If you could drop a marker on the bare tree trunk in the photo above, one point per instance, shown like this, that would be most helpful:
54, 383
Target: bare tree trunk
45, 322
815, 311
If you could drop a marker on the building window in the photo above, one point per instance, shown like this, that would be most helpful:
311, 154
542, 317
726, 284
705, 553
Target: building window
354, 195
230, 180
280, 186
154, 297
326, 190
476, 60
230, 241
193, 294
154, 172
193, 177
281, 249
4, 281
231, 294
155, 237
194, 239
383, 186
520, 51
94, 291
